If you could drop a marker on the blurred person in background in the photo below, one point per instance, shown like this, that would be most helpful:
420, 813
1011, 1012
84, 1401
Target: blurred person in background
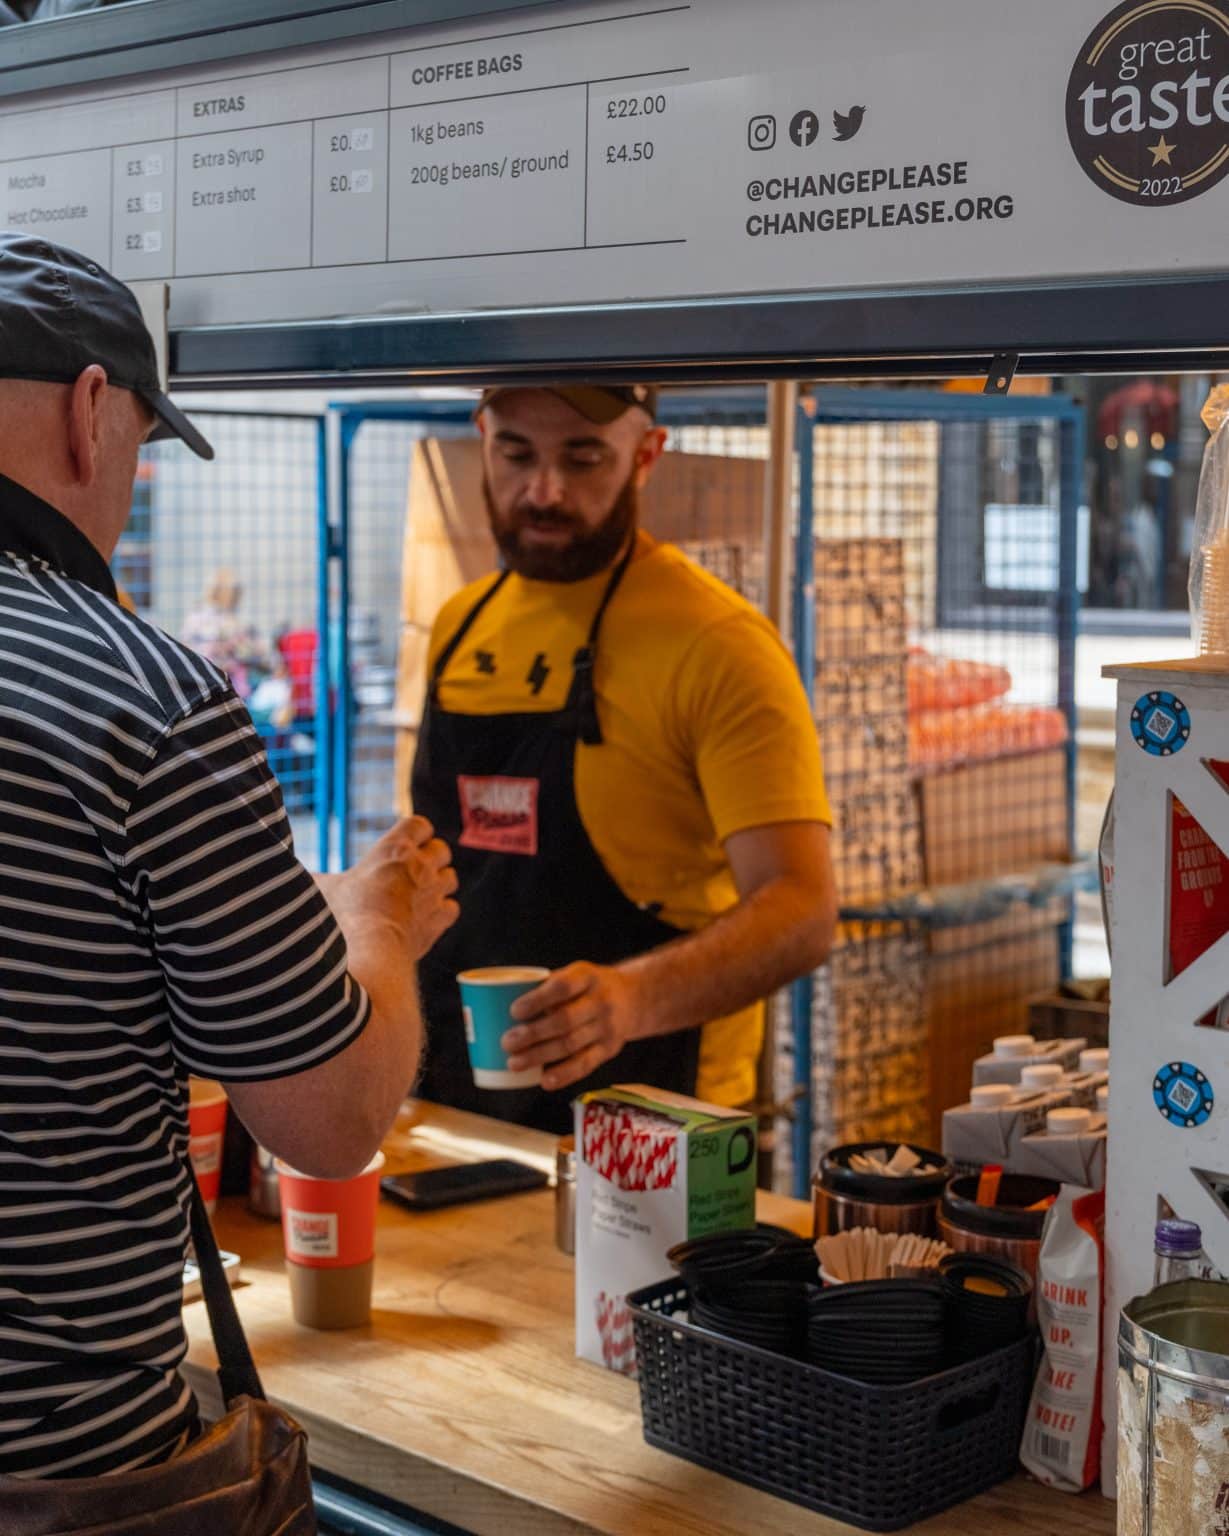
215, 631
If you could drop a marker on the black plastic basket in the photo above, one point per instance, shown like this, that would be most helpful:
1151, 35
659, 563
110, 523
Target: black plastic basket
877, 1457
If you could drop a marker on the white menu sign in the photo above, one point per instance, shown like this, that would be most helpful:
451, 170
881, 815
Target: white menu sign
592, 152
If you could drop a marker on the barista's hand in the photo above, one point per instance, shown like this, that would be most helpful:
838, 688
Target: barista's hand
578, 1018
403, 883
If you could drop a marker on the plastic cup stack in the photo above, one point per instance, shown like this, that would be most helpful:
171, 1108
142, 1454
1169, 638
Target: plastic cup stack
988, 1303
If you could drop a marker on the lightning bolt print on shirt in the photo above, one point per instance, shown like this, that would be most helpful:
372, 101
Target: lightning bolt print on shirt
537, 674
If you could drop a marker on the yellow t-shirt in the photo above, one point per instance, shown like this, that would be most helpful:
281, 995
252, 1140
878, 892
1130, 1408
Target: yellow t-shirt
706, 732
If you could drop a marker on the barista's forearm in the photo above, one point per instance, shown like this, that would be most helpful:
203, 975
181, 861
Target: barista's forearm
774, 935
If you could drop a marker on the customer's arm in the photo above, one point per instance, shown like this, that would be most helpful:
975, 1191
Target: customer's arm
391, 907
303, 1005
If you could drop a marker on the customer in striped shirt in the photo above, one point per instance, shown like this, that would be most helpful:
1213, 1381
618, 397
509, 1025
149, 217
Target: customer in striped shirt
154, 920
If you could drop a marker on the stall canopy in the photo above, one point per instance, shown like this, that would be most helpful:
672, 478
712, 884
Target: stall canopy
694, 190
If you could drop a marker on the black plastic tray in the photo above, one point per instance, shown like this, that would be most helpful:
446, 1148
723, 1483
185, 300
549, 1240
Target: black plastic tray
877, 1457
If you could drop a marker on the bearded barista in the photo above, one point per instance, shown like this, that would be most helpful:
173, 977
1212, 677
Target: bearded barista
619, 751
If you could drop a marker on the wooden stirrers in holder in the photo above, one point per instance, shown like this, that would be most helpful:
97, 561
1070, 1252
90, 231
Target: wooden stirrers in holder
863, 1253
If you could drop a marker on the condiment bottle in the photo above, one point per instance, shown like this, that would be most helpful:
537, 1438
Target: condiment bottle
1179, 1252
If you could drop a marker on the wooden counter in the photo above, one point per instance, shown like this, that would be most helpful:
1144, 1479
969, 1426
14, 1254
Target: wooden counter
463, 1397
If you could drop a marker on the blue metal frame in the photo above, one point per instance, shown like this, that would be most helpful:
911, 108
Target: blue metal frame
323, 767
696, 408
833, 405
339, 654
802, 992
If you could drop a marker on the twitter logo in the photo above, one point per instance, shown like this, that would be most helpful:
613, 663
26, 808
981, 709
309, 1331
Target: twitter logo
847, 123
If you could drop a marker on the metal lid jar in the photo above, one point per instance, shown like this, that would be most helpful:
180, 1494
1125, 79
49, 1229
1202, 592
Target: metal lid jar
844, 1197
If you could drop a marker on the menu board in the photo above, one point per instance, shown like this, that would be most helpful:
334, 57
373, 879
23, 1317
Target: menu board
590, 153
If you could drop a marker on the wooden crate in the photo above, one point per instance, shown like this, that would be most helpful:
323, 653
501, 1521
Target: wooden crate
869, 1072
995, 818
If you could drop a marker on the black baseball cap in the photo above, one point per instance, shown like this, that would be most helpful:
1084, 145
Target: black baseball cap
599, 403
60, 312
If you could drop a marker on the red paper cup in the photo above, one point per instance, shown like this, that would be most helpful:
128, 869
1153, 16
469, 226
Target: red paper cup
206, 1129
329, 1232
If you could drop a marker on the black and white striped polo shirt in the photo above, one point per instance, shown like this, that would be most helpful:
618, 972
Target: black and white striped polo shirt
153, 922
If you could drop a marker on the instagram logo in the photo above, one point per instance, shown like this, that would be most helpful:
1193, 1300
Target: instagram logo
762, 131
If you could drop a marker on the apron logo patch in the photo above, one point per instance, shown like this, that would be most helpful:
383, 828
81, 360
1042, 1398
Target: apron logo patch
499, 814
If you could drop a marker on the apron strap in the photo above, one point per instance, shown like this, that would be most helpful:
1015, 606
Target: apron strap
467, 623
580, 712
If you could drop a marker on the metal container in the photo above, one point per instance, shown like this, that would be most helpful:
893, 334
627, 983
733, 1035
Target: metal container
264, 1198
1010, 1229
843, 1198
1173, 1408
565, 1195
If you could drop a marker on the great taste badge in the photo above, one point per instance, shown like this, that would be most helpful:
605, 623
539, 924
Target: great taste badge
1148, 101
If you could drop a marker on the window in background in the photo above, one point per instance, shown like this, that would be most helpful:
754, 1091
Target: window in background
1144, 449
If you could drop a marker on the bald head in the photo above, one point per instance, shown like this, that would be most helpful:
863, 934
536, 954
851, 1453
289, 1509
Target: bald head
76, 446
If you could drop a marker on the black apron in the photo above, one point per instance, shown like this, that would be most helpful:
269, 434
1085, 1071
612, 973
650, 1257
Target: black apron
501, 791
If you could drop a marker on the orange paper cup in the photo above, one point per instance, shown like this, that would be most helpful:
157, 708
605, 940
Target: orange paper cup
329, 1232
206, 1129
330, 1223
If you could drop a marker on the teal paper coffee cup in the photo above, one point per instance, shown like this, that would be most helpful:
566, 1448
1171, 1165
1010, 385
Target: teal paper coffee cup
487, 996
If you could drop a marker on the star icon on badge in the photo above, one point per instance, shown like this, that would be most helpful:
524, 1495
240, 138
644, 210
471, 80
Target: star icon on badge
1161, 151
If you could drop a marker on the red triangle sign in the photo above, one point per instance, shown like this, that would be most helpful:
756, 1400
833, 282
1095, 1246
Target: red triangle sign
1198, 886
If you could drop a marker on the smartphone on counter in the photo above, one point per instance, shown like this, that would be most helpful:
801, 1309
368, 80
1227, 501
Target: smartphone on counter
462, 1182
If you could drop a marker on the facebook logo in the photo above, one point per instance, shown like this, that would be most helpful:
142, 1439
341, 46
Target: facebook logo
804, 128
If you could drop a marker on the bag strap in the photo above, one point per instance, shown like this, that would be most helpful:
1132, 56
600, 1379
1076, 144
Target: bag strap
236, 1368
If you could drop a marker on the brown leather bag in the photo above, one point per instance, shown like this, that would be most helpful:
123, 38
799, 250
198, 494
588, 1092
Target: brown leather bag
247, 1475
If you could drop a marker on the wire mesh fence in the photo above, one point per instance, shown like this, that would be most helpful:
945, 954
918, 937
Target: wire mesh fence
377, 466
941, 647
226, 556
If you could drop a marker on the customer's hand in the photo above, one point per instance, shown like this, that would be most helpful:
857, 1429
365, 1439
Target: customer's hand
405, 881
579, 1017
